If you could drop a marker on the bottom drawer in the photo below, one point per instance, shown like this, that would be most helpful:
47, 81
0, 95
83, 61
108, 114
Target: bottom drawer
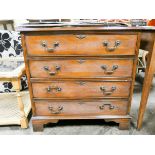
101, 107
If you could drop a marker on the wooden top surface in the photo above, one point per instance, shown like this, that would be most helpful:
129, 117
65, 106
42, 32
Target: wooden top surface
76, 26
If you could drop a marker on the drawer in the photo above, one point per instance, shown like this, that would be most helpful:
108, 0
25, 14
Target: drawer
80, 89
102, 107
55, 45
80, 68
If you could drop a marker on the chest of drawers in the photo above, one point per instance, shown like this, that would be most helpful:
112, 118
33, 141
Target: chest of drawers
80, 73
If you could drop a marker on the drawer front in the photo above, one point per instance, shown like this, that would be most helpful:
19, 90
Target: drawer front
81, 68
103, 107
80, 89
54, 45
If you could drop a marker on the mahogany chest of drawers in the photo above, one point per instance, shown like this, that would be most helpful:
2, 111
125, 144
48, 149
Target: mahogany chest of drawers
80, 73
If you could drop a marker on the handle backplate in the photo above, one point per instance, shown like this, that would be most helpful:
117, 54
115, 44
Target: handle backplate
49, 49
111, 107
107, 45
81, 36
57, 69
55, 111
105, 68
107, 92
50, 89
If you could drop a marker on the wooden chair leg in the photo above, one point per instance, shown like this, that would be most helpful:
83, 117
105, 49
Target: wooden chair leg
150, 69
24, 121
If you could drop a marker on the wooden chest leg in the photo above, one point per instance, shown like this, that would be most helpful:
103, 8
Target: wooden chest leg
38, 127
124, 125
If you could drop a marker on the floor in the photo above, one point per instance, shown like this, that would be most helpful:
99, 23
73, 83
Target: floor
96, 127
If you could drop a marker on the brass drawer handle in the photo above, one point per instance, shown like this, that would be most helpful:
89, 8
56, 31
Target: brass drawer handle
111, 107
107, 45
114, 67
50, 89
57, 69
106, 92
55, 111
44, 45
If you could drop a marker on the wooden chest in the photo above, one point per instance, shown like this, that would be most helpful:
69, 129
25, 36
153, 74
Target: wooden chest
80, 73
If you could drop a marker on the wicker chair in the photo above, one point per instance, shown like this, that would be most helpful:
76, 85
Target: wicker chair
7, 25
12, 80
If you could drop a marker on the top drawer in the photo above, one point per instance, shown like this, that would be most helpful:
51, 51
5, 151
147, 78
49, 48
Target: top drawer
80, 45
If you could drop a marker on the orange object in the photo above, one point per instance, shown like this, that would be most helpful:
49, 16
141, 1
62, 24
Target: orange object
151, 22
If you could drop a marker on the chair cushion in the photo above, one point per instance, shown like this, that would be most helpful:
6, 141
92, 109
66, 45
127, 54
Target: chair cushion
10, 44
7, 86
